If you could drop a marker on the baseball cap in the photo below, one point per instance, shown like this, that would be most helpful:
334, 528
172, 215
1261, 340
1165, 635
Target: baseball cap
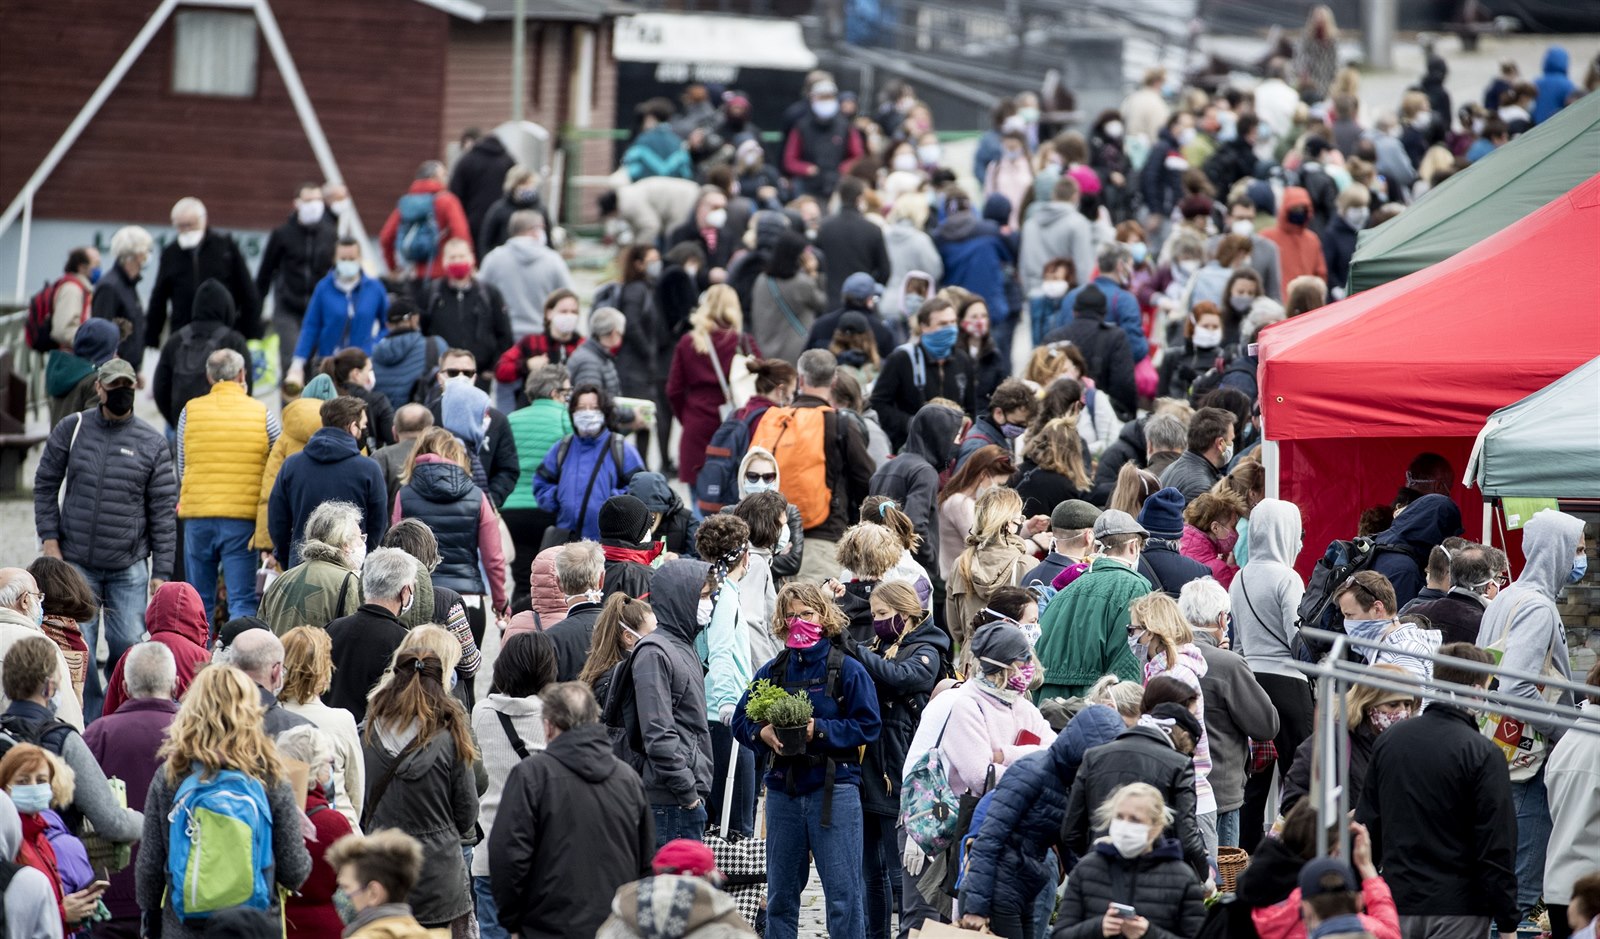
860, 285
853, 321
116, 370
1074, 515
1326, 875
1117, 522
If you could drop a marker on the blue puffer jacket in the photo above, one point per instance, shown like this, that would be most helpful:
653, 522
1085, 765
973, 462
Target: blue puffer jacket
442, 495
560, 489
1006, 862
399, 360
975, 256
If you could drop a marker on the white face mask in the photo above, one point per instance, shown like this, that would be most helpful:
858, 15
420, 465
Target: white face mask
1241, 303
929, 154
1242, 226
716, 218
784, 538
190, 239
905, 162
310, 213
702, 612
357, 554
1207, 337
1356, 217
1113, 130
588, 423
339, 206
1054, 289
348, 270
1129, 838
1188, 267
825, 108
564, 324
410, 601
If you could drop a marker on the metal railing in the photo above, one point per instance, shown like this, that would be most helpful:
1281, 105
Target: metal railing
1331, 740
28, 364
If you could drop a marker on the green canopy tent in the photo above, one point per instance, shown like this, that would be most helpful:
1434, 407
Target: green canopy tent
1545, 446
1484, 198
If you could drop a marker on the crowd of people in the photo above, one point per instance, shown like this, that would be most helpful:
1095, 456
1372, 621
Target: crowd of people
961, 584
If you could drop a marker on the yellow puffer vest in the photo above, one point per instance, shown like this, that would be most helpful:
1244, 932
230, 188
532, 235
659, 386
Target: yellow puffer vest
224, 448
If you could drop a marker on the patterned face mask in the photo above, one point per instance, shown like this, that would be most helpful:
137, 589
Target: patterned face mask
1383, 720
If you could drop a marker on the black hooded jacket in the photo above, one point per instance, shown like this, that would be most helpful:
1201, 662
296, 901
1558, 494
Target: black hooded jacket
479, 179
1423, 525
181, 374
572, 801
898, 394
912, 478
904, 674
658, 699
1104, 346
1129, 446
182, 271
1139, 754
297, 256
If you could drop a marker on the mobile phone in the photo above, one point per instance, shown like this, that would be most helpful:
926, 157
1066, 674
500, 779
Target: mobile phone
99, 886
1124, 911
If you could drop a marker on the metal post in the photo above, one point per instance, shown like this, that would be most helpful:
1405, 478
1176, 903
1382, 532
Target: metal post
519, 58
1379, 19
22, 251
1272, 462
1488, 523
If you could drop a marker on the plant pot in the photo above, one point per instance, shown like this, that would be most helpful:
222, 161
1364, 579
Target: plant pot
791, 740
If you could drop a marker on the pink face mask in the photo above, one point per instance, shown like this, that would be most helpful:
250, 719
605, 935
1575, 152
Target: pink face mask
803, 633
1023, 677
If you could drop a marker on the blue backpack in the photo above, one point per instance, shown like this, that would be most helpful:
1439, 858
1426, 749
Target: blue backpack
219, 845
418, 240
717, 484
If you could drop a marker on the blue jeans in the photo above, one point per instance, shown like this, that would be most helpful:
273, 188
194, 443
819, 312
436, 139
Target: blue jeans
1228, 829
743, 819
880, 870
123, 595
674, 821
488, 914
1532, 802
794, 830
210, 542
1045, 906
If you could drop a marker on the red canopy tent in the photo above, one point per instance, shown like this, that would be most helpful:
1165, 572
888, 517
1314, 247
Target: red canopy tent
1350, 393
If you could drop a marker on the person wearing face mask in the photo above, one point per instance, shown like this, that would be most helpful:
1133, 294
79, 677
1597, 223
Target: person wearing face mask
658, 703
522, 274
1202, 348
310, 911
348, 308
1047, 306
724, 540
1083, 629
117, 521
44, 845
586, 468
934, 366
625, 539
520, 189
580, 573
1055, 230
330, 468
1210, 520
1369, 712
1243, 289
820, 144
364, 641
1299, 247
298, 253
1263, 260
1368, 605
1474, 580
814, 795
707, 226
1210, 448
259, 654
595, 362
756, 177
198, 254
1012, 407
1339, 235
1161, 180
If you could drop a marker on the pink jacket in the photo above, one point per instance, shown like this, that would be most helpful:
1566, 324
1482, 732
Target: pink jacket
490, 549
1200, 546
1282, 920
980, 724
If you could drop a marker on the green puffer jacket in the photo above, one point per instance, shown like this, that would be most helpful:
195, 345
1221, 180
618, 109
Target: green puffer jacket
1084, 630
535, 428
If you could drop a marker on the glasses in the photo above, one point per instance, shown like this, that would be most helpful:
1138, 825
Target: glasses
760, 477
459, 372
35, 593
564, 393
1135, 628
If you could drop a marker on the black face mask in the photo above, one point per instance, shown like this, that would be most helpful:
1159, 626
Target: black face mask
1297, 216
119, 401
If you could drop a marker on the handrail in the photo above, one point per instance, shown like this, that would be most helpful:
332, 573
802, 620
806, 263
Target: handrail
1498, 671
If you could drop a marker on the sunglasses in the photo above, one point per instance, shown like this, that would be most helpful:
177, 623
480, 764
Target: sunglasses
459, 372
760, 477
1352, 583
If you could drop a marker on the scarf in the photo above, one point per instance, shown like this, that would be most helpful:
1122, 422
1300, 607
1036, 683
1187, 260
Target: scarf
1004, 695
36, 851
623, 552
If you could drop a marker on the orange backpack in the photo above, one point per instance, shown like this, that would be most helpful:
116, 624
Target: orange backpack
798, 439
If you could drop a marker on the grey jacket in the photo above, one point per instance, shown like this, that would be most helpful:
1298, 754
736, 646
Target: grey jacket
1525, 614
1237, 711
121, 502
775, 335
1190, 474
431, 796
1055, 230
591, 364
292, 862
669, 692
1265, 595
525, 272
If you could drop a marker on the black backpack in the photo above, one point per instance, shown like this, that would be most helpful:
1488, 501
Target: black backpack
1317, 610
190, 350
430, 371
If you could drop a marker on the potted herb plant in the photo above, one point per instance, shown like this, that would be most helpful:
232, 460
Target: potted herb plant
787, 714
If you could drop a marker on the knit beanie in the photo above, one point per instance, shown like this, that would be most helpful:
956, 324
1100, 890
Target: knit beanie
1162, 515
624, 518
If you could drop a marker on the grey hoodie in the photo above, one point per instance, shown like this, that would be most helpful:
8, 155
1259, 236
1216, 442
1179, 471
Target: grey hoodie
1055, 230
911, 251
525, 271
1266, 593
1525, 613
30, 901
669, 691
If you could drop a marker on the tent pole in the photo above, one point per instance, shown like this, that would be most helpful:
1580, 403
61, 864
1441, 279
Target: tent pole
1271, 461
1488, 522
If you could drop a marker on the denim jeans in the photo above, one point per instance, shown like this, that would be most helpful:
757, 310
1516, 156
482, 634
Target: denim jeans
675, 821
794, 830
743, 819
880, 870
1228, 829
1532, 802
210, 542
488, 914
123, 595
1045, 906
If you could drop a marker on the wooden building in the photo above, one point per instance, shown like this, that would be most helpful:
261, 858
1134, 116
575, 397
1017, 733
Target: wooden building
204, 110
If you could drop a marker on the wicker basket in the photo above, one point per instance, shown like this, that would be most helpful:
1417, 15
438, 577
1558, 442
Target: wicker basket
1230, 861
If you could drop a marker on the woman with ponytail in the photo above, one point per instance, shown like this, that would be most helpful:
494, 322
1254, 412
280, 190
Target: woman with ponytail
419, 758
351, 372
623, 621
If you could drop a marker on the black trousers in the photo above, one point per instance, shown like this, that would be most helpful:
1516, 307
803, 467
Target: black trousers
1296, 705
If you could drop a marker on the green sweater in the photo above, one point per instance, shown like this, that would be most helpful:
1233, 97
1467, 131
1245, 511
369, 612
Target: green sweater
1084, 630
535, 428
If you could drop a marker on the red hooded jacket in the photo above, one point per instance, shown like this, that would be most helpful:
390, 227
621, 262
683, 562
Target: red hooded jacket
1282, 920
1299, 248
176, 619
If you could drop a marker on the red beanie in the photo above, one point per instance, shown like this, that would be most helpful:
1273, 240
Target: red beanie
684, 856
